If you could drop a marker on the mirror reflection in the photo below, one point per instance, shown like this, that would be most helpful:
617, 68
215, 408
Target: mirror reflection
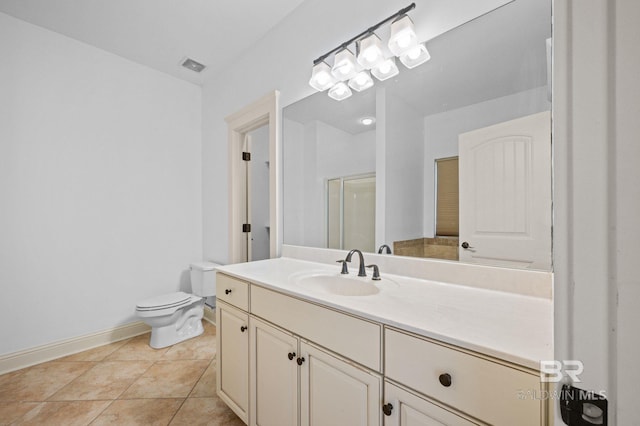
449, 160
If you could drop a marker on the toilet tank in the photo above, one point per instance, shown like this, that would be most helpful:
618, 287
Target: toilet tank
203, 279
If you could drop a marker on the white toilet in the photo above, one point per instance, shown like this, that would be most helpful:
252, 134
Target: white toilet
175, 317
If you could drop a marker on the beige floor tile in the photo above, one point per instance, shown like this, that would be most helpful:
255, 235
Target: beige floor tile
205, 411
201, 347
167, 379
124, 383
96, 354
39, 382
146, 412
206, 386
137, 349
10, 377
209, 329
12, 411
70, 413
107, 380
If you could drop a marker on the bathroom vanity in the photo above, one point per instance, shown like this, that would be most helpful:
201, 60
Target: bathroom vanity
299, 343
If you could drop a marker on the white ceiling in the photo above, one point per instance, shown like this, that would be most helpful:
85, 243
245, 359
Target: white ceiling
160, 33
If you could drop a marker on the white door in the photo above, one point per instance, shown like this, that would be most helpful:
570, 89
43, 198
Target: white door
258, 194
505, 193
255, 153
233, 357
334, 392
274, 376
403, 408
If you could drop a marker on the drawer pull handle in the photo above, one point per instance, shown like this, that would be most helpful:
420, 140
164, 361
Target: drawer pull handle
227, 291
300, 361
243, 328
386, 409
291, 355
445, 380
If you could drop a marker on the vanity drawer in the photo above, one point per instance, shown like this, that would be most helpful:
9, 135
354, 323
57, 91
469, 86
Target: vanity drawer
232, 291
487, 390
353, 338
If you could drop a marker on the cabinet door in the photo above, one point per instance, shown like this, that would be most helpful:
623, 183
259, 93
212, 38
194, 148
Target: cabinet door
408, 409
335, 392
233, 359
274, 376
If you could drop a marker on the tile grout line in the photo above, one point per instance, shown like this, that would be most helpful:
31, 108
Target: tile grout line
193, 354
191, 391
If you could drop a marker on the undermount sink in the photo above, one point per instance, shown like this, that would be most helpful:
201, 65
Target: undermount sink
342, 285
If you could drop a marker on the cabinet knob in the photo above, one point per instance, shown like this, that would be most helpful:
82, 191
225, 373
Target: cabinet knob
243, 328
386, 409
300, 360
445, 379
227, 291
291, 355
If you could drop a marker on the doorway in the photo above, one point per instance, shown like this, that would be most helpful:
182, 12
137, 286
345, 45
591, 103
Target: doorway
256, 162
254, 128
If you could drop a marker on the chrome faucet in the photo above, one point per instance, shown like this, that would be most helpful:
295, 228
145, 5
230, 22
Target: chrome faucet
382, 247
361, 270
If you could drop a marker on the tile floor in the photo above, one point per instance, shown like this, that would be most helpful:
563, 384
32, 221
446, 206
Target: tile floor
124, 383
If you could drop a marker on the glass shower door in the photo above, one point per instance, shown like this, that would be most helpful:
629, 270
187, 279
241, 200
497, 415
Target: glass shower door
351, 212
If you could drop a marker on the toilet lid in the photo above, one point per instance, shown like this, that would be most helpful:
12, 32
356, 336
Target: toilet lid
164, 301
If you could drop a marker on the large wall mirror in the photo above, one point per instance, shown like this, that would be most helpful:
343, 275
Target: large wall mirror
449, 160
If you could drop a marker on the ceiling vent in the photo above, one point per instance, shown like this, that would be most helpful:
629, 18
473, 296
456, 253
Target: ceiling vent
192, 65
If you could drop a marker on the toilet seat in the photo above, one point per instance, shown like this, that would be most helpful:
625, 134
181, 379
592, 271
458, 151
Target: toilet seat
165, 301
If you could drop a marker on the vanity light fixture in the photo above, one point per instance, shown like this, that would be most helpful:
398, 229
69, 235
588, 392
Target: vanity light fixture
386, 69
403, 37
361, 81
340, 91
370, 51
321, 77
415, 56
344, 65
370, 58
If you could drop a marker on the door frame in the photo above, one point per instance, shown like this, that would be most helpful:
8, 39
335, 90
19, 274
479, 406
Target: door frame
260, 112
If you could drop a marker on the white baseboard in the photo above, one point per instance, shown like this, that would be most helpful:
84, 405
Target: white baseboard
39, 354
210, 314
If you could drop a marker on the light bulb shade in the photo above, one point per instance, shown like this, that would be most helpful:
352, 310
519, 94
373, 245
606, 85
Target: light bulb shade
321, 77
370, 51
340, 91
361, 81
386, 69
415, 56
344, 65
403, 36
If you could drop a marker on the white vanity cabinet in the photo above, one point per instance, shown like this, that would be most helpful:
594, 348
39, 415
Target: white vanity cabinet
485, 388
274, 375
232, 341
334, 391
294, 381
303, 363
406, 408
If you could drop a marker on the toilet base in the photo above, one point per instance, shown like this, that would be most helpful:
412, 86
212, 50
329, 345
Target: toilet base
189, 325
